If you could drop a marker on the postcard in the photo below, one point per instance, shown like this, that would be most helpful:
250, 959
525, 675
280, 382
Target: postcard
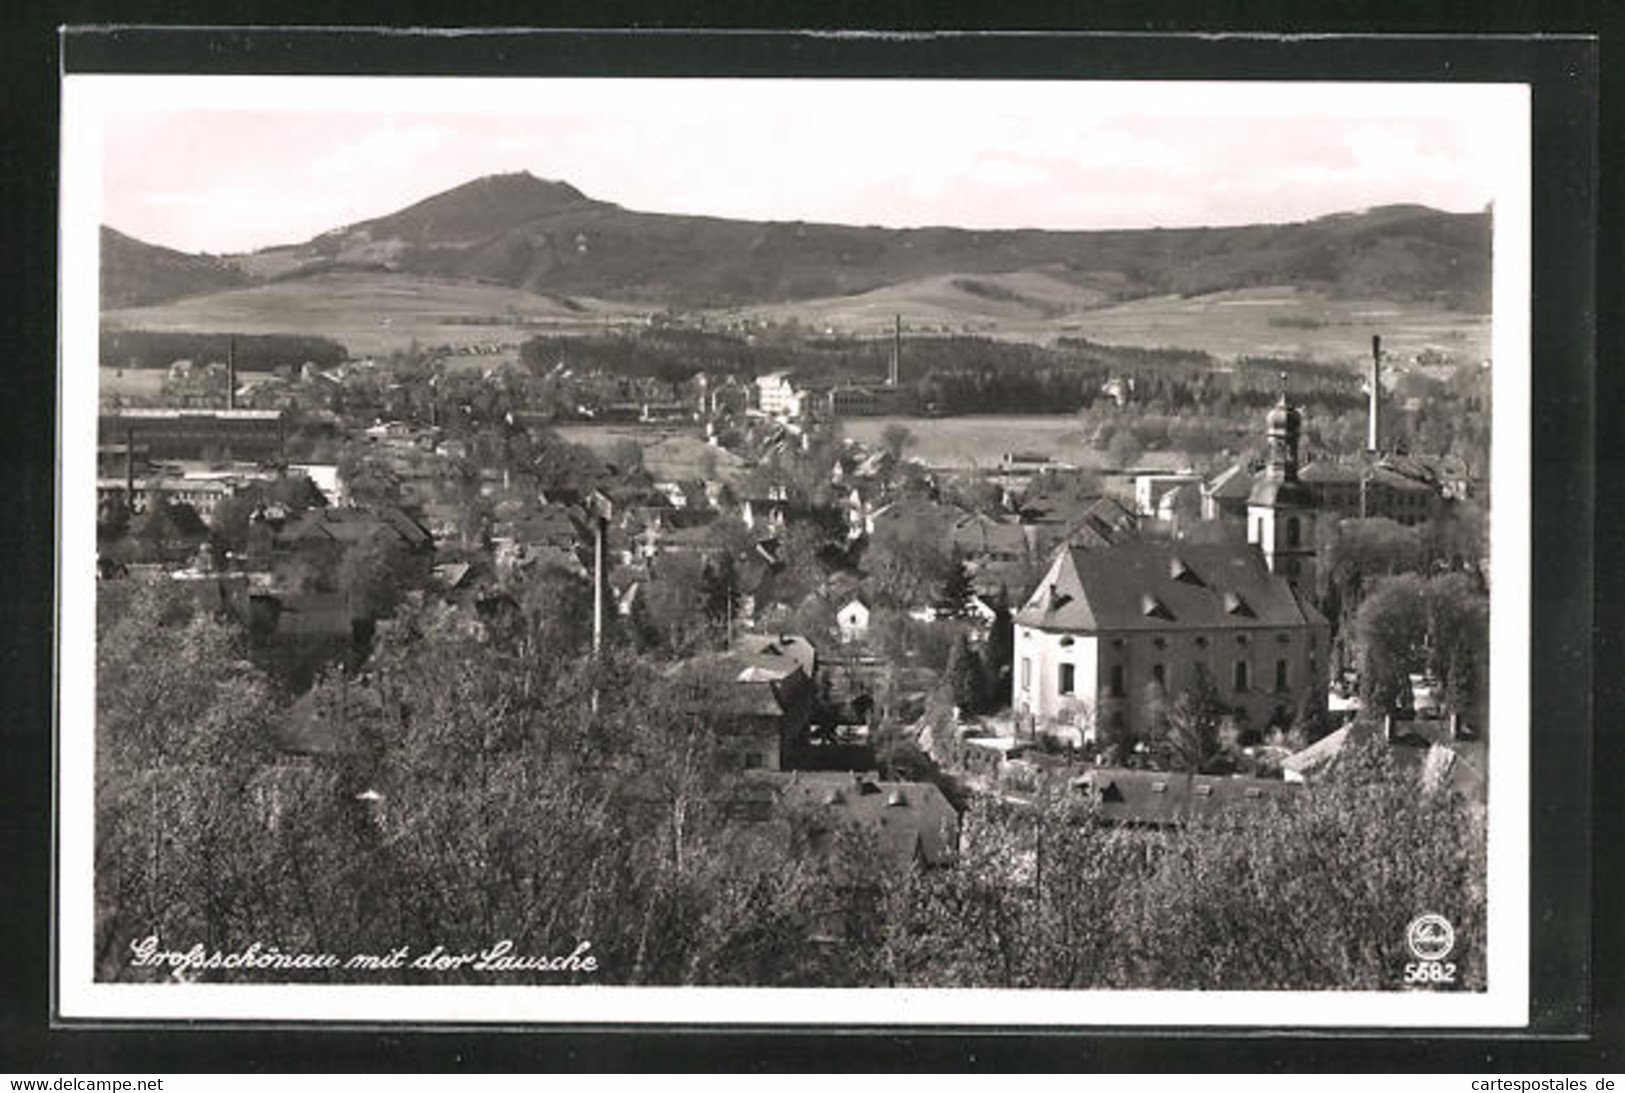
844, 552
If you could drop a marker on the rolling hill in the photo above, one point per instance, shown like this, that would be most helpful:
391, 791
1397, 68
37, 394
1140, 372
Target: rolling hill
520, 232
135, 273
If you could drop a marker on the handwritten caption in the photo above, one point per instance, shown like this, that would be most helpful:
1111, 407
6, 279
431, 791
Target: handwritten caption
500, 958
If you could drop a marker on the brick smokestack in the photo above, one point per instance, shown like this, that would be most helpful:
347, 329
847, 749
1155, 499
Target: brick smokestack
1373, 436
896, 351
231, 374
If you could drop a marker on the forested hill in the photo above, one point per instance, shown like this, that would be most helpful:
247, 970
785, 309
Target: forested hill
135, 273
524, 232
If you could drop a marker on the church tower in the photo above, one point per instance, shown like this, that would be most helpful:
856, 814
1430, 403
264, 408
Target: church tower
1280, 509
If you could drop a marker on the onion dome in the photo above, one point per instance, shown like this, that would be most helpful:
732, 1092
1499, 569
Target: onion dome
1284, 418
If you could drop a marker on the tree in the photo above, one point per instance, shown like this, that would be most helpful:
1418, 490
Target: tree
956, 589
1390, 632
1194, 718
896, 438
1124, 449
998, 655
962, 676
377, 571
719, 593
181, 721
908, 561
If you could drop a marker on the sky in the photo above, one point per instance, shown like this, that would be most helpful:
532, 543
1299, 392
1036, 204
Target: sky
228, 164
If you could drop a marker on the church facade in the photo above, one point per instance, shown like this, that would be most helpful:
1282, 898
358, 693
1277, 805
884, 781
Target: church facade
1109, 632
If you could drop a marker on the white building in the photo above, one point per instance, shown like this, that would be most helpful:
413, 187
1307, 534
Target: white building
1280, 507
1108, 629
778, 395
853, 620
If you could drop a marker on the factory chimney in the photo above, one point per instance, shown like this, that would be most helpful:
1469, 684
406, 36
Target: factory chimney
896, 351
1374, 419
231, 374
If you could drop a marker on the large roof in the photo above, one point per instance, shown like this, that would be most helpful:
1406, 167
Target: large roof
781, 652
1175, 586
911, 822
1161, 798
978, 533
1272, 488
1234, 483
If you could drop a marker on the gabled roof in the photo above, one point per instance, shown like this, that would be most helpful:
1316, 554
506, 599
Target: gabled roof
1273, 488
733, 687
977, 533
1189, 586
353, 525
910, 822
1165, 797
1331, 473
1456, 765
783, 651
1233, 483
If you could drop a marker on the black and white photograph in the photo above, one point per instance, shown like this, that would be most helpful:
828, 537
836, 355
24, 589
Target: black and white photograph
843, 551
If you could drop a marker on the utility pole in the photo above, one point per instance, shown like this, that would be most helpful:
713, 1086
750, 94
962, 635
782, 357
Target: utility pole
1373, 420
601, 508
896, 351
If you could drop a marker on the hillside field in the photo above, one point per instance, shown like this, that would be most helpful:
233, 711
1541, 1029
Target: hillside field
1033, 307
979, 442
375, 313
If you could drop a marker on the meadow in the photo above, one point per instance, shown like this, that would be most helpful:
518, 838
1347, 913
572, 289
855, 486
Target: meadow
669, 454
978, 442
1267, 322
373, 314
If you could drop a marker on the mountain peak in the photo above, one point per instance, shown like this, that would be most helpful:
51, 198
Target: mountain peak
478, 210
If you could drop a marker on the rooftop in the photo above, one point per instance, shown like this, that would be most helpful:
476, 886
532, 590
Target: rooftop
1145, 586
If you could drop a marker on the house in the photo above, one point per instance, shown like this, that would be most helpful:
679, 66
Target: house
911, 516
1374, 490
348, 526
981, 539
1426, 750
1165, 799
765, 514
912, 824
1150, 489
1105, 625
782, 653
760, 711
852, 619
1224, 496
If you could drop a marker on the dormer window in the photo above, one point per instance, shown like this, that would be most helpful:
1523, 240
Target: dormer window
1153, 608
1179, 571
1235, 605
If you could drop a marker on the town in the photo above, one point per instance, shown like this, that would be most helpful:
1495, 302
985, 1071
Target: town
687, 643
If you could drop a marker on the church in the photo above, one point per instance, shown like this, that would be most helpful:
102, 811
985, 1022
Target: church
1109, 629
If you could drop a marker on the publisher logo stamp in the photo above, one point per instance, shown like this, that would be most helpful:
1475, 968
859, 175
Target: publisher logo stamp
1430, 937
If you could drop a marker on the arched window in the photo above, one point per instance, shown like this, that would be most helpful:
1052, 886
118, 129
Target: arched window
1292, 532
